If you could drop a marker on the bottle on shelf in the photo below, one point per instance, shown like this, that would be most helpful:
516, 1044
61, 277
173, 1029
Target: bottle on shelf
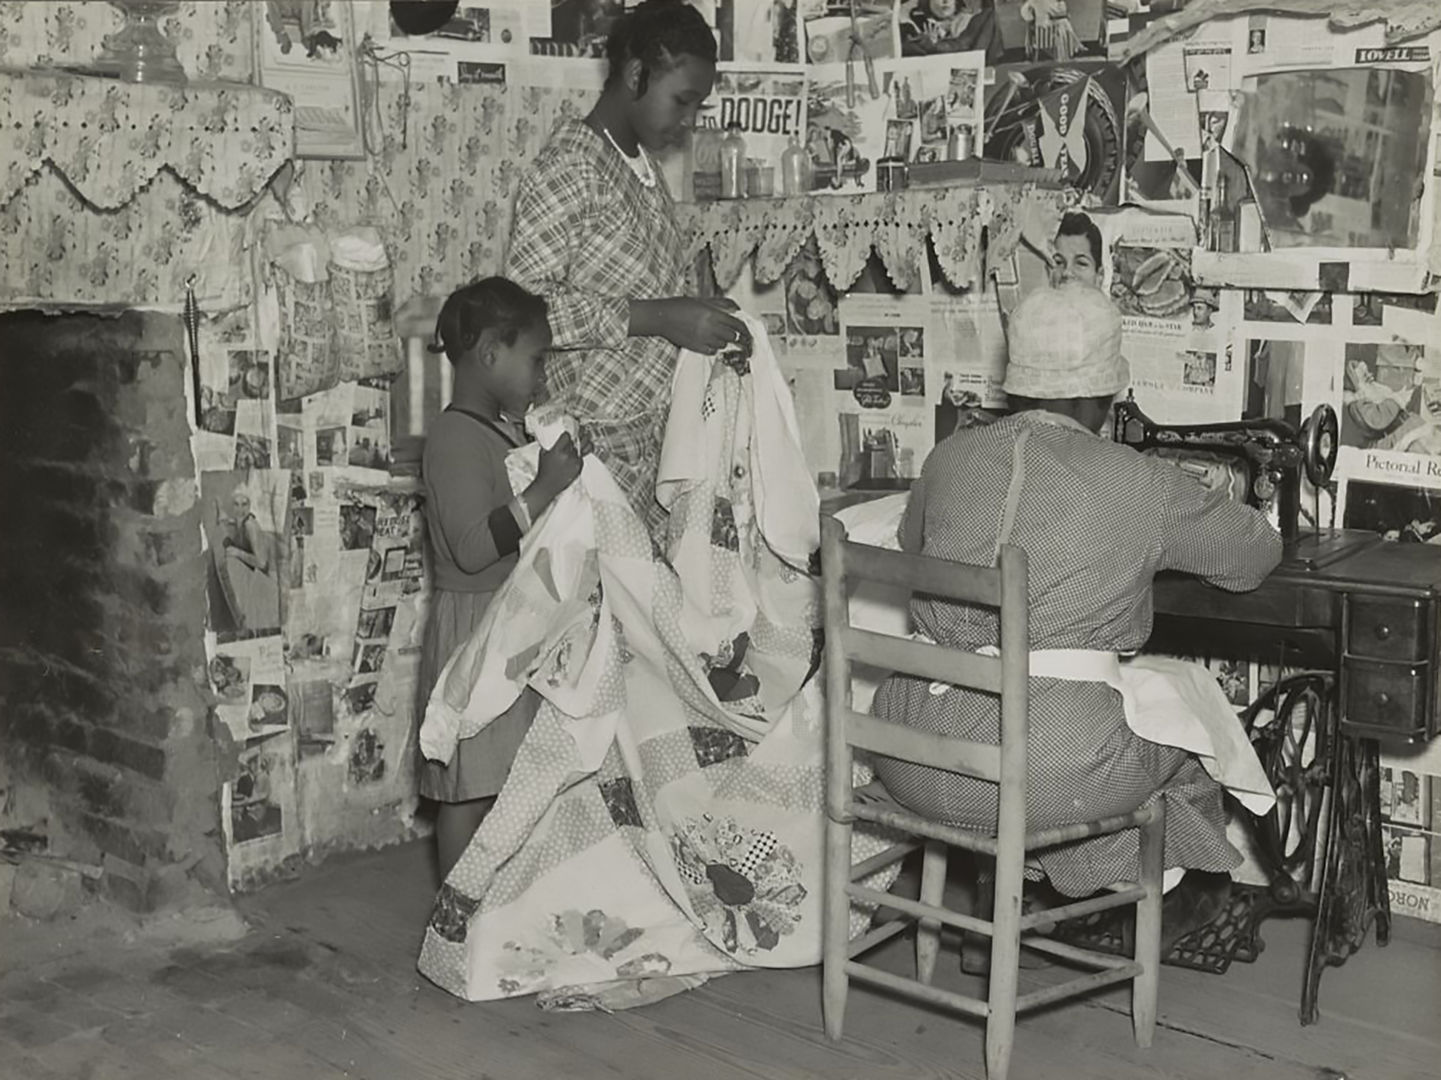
795, 168
705, 164
1223, 230
733, 163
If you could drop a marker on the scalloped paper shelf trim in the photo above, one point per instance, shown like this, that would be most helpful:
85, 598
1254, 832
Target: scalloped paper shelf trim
847, 228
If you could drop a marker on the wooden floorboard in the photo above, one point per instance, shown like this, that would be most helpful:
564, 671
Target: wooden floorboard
1088, 1042
364, 915
1379, 1011
325, 987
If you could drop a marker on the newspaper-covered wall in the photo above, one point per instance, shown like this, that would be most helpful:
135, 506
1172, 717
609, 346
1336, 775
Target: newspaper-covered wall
1181, 368
315, 577
1411, 831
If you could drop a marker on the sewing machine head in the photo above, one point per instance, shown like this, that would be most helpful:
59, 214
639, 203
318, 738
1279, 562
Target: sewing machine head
1261, 462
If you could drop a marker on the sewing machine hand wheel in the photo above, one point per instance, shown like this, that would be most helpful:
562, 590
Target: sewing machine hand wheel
1321, 435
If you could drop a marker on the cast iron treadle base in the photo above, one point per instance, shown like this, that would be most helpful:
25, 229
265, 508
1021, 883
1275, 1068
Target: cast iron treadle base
1234, 935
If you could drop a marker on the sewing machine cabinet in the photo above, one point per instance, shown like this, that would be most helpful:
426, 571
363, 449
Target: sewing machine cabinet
1362, 614
1364, 609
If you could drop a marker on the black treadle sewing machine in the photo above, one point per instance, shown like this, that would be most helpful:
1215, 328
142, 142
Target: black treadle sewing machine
1264, 462
1353, 625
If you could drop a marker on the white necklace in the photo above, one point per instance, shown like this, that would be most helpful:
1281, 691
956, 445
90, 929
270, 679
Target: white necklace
640, 164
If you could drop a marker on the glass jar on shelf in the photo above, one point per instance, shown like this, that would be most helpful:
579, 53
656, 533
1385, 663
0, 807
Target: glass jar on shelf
795, 168
733, 163
705, 147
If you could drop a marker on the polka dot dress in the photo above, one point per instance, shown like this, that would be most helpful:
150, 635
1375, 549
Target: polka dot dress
1097, 521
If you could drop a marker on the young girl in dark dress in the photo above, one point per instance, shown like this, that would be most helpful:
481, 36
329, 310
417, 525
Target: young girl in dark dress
496, 334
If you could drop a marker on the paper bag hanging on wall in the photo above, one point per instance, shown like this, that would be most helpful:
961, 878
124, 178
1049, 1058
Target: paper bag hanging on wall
306, 359
361, 286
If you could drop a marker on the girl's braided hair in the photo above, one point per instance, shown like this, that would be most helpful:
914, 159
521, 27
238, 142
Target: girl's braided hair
493, 303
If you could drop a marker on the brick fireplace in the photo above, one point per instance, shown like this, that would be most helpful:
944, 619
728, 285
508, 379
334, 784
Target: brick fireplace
108, 758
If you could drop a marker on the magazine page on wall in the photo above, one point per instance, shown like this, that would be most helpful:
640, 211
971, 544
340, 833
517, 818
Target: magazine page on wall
1390, 411
1060, 114
757, 31
899, 108
886, 424
766, 103
1181, 370
1411, 828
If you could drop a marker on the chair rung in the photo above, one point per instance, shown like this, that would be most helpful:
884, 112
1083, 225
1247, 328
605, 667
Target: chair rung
911, 988
1074, 953
1130, 894
1064, 834
933, 830
981, 760
1074, 987
875, 936
925, 660
894, 853
968, 584
918, 910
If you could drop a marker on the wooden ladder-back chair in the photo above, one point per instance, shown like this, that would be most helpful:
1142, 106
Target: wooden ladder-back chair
843, 564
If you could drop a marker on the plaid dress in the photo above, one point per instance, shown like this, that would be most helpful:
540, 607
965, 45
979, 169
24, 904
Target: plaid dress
590, 237
1097, 521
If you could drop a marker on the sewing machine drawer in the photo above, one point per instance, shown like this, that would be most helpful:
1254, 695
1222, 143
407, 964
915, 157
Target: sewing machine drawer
1388, 627
1382, 698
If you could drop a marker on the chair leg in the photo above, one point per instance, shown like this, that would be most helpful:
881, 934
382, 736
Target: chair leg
836, 927
933, 891
1146, 987
1005, 967
1000, 1035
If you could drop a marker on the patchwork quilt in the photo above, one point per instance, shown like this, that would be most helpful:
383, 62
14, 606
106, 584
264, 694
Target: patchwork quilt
662, 822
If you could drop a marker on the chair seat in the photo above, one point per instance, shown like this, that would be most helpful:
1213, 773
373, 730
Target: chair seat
876, 795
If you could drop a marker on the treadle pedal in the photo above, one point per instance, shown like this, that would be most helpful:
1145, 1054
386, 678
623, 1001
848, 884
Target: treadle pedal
1231, 936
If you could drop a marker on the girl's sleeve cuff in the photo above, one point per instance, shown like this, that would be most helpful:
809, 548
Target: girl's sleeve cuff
508, 524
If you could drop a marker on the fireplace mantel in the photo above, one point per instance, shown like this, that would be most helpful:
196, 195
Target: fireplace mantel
113, 194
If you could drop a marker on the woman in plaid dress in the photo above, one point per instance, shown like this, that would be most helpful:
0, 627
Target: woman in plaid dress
595, 234
1097, 521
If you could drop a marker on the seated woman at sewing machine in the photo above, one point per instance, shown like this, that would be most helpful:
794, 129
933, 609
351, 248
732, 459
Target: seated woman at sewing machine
1097, 520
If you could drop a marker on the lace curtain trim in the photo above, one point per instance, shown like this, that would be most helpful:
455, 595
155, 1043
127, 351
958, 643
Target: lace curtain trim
895, 225
109, 139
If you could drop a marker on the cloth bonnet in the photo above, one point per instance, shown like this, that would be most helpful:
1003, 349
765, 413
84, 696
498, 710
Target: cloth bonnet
1065, 343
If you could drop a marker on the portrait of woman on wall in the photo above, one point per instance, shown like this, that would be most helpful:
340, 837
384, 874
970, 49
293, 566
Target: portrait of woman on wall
244, 577
931, 27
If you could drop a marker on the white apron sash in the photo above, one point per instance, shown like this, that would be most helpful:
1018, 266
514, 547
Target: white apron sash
1169, 702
